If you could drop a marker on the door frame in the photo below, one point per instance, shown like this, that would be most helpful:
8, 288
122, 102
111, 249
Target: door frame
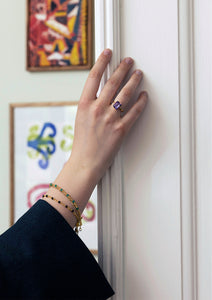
110, 188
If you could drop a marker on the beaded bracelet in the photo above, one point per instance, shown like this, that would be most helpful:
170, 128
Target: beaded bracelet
79, 222
67, 195
70, 199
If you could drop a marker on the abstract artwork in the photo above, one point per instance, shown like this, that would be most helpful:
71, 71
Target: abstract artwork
59, 34
41, 143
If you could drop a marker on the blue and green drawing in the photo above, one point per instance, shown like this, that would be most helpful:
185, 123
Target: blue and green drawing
68, 132
42, 145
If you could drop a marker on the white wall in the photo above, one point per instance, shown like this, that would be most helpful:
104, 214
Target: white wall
18, 85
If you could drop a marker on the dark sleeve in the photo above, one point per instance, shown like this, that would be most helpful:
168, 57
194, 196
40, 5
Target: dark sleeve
41, 257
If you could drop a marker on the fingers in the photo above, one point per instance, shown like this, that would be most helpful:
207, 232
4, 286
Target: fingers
133, 114
92, 84
128, 90
115, 81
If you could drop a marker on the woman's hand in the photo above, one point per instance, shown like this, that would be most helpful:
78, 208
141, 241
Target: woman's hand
99, 128
99, 132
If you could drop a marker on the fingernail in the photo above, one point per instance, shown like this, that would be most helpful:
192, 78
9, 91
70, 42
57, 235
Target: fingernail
129, 60
107, 52
145, 94
139, 72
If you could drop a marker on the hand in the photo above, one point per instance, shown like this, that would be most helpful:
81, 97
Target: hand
99, 132
99, 129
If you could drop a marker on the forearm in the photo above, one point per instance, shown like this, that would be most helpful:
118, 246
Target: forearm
77, 182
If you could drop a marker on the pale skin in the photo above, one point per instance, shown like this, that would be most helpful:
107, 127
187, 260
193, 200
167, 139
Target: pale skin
99, 133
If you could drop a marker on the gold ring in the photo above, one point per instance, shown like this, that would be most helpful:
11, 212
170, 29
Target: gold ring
117, 105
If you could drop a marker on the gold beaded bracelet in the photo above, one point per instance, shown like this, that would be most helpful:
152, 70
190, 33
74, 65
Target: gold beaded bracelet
79, 222
70, 199
67, 195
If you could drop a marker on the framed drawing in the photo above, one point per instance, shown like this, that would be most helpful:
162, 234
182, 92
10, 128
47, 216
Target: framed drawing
41, 137
59, 34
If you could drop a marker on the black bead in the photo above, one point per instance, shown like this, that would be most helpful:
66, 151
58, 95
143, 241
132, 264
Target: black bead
47, 196
52, 198
59, 201
66, 206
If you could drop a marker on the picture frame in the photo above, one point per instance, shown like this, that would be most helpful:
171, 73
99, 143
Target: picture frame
59, 35
41, 138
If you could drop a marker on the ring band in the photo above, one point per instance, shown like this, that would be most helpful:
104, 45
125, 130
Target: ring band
117, 105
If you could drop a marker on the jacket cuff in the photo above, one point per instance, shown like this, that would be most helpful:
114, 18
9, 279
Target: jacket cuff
44, 257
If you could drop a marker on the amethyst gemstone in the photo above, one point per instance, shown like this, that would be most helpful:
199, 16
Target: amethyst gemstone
117, 105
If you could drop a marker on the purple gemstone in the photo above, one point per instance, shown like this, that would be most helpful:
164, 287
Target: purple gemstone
117, 105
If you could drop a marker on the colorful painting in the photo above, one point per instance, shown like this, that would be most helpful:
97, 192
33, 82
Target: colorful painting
59, 34
41, 143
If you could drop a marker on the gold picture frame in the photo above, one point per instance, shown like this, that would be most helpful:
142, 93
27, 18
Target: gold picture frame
59, 36
41, 137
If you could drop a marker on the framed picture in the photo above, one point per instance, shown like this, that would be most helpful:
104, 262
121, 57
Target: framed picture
41, 138
59, 34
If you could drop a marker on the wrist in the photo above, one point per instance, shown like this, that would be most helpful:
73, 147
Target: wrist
77, 181
88, 174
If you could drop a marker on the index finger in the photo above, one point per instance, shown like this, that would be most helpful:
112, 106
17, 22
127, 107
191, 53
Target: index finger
92, 83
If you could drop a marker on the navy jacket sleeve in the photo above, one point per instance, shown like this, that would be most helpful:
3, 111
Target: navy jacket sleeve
41, 257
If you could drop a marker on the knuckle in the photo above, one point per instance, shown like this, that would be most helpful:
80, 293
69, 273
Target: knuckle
94, 74
82, 105
139, 109
108, 120
97, 111
113, 81
126, 92
120, 129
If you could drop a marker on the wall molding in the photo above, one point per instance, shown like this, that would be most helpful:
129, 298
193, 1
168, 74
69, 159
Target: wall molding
187, 150
203, 118
110, 191
195, 147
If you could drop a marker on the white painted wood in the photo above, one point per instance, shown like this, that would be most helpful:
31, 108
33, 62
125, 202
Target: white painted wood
110, 194
187, 150
195, 39
151, 155
203, 118
167, 165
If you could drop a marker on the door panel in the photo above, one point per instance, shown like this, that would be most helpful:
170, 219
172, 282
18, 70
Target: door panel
149, 33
